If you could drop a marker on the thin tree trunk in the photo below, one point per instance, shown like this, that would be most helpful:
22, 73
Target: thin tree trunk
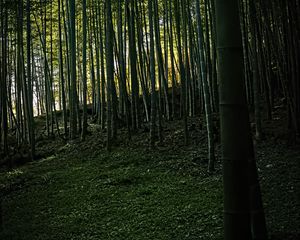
61, 73
73, 96
152, 76
29, 81
182, 71
208, 111
109, 71
84, 77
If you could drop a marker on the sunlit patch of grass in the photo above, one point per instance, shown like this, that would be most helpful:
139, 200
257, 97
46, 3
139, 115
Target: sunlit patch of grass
50, 158
15, 173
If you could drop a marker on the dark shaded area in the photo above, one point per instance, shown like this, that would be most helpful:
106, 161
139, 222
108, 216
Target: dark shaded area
80, 191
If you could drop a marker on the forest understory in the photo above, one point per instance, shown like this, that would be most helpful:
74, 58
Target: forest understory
79, 190
113, 115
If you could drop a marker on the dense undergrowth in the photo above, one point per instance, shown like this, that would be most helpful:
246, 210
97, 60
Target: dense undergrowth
81, 191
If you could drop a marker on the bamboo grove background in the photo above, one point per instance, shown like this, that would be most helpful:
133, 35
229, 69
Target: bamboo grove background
138, 62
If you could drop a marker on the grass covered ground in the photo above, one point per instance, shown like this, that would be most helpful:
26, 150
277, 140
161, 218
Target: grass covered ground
80, 191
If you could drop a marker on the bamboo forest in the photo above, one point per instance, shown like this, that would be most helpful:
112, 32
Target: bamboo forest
149, 119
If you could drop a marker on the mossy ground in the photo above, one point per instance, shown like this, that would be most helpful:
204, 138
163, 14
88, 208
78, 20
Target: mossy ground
81, 191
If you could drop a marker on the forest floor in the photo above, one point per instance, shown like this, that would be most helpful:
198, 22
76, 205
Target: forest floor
78, 190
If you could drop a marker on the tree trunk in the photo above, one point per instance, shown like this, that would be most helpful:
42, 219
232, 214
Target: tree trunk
84, 77
241, 188
152, 77
234, 122
109, 70
204, 78
182, 71
73, 96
